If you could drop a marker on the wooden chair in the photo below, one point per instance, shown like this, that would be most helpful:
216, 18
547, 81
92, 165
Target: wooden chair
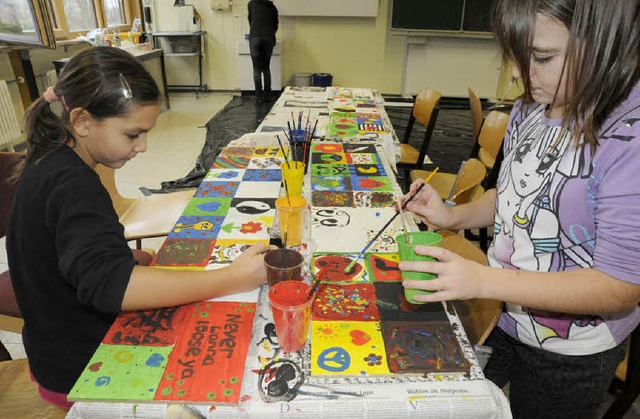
488, 149
477, 115
478, 316
147, 216
425, 111
458, 189
627, 379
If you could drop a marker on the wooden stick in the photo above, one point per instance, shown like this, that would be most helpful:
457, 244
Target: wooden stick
283, 153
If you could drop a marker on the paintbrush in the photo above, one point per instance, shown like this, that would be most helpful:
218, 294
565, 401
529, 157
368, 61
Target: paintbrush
384, 227
286, 191
407, 237
314, 286
283, 153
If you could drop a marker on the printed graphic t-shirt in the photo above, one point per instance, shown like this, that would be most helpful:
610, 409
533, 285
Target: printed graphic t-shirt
561, 207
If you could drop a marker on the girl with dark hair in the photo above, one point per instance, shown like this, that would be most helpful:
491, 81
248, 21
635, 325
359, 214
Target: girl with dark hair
71, 267
566, 210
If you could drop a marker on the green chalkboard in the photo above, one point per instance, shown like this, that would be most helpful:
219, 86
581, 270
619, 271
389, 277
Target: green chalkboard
442, 15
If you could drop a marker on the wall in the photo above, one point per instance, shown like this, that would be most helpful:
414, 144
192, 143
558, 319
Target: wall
356, 51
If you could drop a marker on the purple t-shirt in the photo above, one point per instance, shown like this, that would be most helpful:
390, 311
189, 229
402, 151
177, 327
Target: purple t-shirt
561, 207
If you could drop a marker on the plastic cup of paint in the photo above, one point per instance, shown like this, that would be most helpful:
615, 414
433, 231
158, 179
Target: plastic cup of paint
407, 252
293, 175
291, 212
283, 265
291, 314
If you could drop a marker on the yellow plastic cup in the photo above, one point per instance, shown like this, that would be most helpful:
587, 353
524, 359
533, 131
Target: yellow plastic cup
291, 216
293, 175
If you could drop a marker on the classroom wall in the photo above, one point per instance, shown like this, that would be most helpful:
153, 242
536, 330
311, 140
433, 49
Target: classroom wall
356, 51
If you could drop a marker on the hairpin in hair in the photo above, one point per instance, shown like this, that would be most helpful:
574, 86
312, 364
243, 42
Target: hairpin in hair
126, 89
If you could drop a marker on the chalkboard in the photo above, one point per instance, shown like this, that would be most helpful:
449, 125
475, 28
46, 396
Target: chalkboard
439, 15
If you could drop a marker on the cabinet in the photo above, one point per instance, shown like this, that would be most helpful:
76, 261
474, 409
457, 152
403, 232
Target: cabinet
183, 44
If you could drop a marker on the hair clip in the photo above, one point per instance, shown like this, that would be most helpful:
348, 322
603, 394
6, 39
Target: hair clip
126, 89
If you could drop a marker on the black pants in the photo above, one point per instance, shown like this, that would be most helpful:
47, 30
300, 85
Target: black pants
261, 49
544, 384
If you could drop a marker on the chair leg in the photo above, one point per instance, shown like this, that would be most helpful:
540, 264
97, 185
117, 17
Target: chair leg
631, 387
139, 244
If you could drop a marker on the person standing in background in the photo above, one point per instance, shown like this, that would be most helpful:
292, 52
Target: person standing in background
263, 25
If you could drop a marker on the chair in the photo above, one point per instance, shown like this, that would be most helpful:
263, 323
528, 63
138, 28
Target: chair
425, 111
19, 396
147, 216
457, 189
628, 373
477, 115
488, 149
478, 316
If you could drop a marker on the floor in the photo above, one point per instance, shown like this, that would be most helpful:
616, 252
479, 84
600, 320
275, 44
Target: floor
173, 146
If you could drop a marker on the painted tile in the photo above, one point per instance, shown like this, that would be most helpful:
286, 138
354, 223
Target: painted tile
237, 151
327, 148
268, 152
158, 327
328, 158
383, 267
262, 175
359, 148
252, 206
224, 175
227, 250
246, 228
183, 252
330, 267
265, 163
209, 189
231, 162
393, 306
423, 347
366, 170
373, 183
362, 158
330, 170
345, 302
207, 206
258, 189
207, 364
198, 227
347, 348
122, 373
332, 199
386, 242
330, 183
368, 199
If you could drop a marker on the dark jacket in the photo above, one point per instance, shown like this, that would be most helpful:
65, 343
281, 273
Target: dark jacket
263, 19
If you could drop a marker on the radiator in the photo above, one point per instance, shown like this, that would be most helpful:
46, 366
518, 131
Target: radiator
9, 127
50, 79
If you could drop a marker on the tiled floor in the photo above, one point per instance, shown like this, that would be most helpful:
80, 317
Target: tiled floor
173, 147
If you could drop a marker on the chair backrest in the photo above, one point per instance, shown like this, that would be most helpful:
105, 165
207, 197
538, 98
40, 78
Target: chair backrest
9, 162
425, 111
108, 178
469, 178
426, 101
492, 134
477, 115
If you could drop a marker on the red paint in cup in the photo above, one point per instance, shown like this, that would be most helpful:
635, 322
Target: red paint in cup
291, 313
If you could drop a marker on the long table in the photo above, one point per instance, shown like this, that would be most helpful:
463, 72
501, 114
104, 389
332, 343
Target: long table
344, 370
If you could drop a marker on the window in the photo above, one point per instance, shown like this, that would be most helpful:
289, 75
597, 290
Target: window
25, 22
76, 17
